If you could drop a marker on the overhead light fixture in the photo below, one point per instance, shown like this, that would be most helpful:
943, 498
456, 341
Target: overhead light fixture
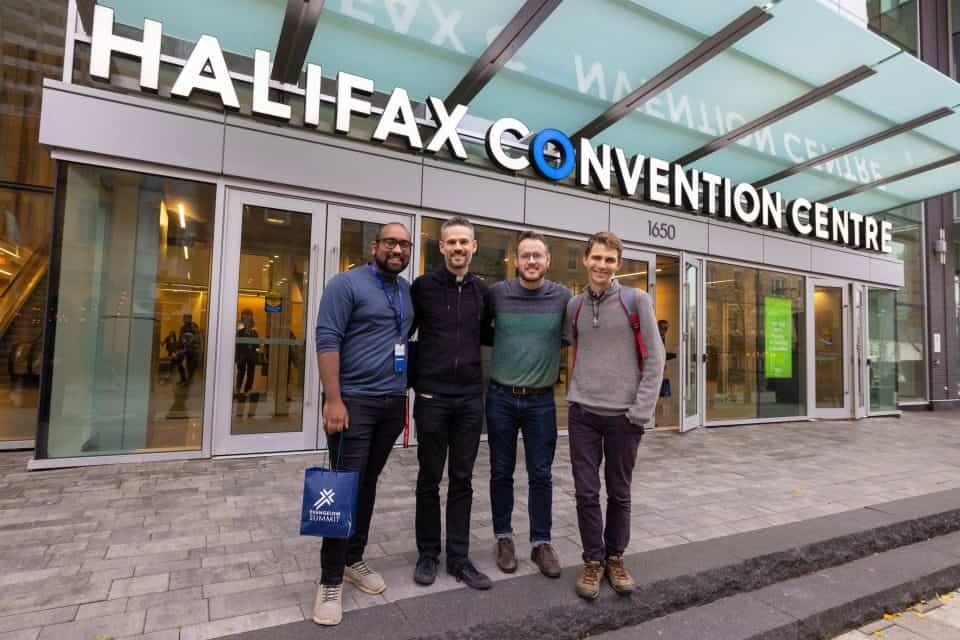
186, 253
183, 217
4, 272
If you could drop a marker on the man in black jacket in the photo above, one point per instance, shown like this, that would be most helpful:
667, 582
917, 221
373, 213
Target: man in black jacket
451, 309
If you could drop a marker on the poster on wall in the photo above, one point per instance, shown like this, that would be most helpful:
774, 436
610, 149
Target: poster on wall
778, 332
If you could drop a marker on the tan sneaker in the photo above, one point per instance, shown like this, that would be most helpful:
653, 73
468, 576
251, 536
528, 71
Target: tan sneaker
328, 605
364, 578
588, 583
618, 576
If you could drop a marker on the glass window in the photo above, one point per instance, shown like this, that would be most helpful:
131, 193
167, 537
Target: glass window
668, 314
271, 322
31, 48
755, 343
895, 20
882, 319
911, 332
130, 358
24, 240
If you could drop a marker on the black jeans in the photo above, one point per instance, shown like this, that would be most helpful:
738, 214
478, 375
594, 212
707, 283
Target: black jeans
246, 368
592, 437
375, 424
445, 423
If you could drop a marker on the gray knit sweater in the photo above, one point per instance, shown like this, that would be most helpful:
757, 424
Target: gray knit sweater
606, 378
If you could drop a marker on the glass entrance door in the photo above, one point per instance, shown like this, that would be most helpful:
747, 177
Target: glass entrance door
692, 351
831, 347
267, 398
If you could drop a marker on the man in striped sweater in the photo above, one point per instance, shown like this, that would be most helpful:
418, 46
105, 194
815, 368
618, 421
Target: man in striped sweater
528, 316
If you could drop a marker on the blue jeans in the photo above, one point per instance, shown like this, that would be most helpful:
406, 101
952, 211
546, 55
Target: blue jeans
536, 417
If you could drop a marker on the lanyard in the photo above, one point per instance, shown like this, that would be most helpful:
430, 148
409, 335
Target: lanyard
396, 307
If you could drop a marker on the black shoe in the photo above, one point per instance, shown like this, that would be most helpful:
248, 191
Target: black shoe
470, 576
426, 571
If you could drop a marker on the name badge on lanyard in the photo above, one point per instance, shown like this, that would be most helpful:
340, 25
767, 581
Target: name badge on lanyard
396, 305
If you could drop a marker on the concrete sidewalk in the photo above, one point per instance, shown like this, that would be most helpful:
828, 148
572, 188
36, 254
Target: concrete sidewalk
202, 549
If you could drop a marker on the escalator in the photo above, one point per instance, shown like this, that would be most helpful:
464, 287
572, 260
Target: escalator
23, 276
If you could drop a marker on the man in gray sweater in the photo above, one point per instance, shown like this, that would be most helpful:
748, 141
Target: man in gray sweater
614, 385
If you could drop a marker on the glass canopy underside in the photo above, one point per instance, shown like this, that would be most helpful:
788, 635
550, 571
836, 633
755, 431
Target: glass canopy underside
589, 54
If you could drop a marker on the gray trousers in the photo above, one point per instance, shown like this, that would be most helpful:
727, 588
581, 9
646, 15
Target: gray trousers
593, 437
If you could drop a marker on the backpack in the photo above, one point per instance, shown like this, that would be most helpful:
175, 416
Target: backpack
632, 317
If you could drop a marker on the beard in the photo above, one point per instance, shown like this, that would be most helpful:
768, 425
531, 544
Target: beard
386, 267
523, 276
455, 256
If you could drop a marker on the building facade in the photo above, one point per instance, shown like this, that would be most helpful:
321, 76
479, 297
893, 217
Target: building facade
207, 167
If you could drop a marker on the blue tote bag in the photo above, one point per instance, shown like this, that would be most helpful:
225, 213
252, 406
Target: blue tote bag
329, 501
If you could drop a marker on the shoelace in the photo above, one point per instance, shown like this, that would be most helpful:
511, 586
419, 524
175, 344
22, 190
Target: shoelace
362, 568
328, 593
616, 566
592, 573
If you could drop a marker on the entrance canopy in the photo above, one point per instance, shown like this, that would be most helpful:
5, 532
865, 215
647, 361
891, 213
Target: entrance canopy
797, 95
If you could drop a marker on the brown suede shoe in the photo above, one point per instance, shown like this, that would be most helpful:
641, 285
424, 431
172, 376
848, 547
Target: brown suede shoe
546, 560
506, 555
618, 576
588, 583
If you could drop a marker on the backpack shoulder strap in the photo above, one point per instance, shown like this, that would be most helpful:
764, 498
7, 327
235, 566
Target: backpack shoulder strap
576, 318
632, 308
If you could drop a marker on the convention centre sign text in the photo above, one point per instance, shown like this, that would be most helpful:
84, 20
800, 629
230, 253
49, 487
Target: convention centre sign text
550, 152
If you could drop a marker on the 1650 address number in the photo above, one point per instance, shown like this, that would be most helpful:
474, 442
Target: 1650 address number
662, 230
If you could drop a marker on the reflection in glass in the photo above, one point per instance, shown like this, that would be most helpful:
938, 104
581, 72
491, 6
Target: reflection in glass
271, 322
355, 239
131, 325
690, 289
31, 49
882, 325
740, 302
668, 311
911, 334
24, 240
828, 346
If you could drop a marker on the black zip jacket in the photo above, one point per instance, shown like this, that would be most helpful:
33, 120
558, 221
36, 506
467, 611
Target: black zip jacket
449, 316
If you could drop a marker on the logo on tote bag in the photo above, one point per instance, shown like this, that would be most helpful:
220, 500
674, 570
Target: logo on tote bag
326, 497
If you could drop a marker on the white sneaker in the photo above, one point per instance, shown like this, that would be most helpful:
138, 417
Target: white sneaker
328, 605
364, 578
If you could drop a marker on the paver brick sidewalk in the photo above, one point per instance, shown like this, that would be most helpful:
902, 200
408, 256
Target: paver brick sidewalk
202, 549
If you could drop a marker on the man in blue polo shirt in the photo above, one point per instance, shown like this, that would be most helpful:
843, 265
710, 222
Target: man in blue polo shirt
365, 318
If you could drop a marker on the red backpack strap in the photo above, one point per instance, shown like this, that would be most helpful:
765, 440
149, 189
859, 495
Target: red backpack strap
634, 318
576, 317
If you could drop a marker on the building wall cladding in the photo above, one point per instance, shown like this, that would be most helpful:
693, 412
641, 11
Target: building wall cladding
934, 27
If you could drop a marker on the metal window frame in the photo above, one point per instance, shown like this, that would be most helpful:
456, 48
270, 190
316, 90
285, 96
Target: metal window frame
903, 175
299, 23
708, 49
919, 121
809, 98
522, 25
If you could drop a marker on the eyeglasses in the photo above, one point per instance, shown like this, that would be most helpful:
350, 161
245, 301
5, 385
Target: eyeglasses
393, 243
535, 257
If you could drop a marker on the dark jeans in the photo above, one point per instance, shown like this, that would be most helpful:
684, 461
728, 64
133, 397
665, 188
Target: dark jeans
445, 423
192, 359
593, 437
246, 368
375, 424
536, 417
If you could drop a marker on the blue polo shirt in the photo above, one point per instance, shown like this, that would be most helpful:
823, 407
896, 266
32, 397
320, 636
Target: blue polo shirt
357, 321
